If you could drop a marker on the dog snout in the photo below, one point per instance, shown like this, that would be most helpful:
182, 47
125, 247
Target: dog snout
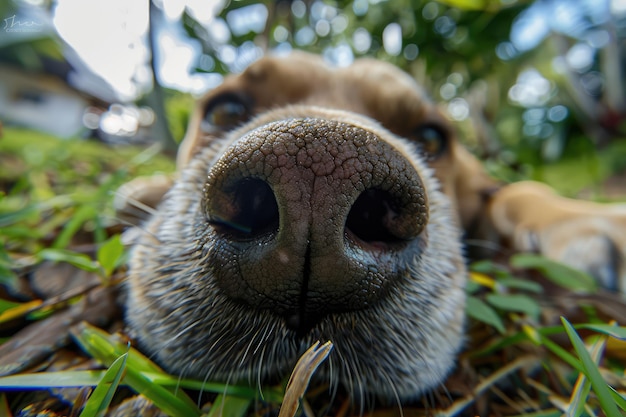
311, 216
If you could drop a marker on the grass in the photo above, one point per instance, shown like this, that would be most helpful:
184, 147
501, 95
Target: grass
542, 340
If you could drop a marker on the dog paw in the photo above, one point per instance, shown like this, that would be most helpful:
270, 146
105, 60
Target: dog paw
584, 235
589, 244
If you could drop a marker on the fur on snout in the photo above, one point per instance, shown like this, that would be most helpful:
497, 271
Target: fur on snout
403, 344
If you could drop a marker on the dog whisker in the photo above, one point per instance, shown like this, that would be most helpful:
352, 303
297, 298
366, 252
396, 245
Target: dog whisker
135, 207
494, 247
333, 379
259, 378
392, 385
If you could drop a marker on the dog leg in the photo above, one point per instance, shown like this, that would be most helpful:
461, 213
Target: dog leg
589, 236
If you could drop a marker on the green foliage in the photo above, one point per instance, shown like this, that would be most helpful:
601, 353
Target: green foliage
145, 377
479, 310
99, 345
489, 5
62, 190
560, 274
465, 49
590, 369
225, 405
47, 380
584, 170
28, 53
7, 275
110, 255
101, 397
607, 329
178, 107
79, 260
508, 295
7, 305
513, 311
519, 303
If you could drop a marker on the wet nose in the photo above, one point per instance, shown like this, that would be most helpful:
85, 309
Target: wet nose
311, 216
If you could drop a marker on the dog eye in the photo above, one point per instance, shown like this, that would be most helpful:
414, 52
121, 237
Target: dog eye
432, 140
225, 112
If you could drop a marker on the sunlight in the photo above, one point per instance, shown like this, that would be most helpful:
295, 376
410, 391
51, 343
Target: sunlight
115, 47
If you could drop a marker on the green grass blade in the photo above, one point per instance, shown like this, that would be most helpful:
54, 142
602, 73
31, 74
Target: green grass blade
20, 216
607, 329
165, 380
514, 339
618, 398
110, 253
45, 380
520, 284
4, 406
591, 371
578, 399
579, 396
76, 221
101, 397
215, 387
479, 310
231, 406
174, 404
107, 349
563, 354
515, 302
556, 272
79, 260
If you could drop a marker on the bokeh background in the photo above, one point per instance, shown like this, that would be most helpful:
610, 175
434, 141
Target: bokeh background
537, 88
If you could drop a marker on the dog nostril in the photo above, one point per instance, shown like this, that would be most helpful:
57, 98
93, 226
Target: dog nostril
245, 210
374, 216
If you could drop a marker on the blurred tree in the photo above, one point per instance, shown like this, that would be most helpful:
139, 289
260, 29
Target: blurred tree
528, 82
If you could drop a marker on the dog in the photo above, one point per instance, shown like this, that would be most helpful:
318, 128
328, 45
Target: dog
317, 203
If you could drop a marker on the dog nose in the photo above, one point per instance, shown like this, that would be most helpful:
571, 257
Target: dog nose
312, 216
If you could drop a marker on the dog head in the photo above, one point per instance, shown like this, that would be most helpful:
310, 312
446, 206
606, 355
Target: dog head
309, 207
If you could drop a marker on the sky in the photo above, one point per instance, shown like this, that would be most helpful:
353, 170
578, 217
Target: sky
110, 36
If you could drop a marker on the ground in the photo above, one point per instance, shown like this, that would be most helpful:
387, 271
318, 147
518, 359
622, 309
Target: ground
62, 263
